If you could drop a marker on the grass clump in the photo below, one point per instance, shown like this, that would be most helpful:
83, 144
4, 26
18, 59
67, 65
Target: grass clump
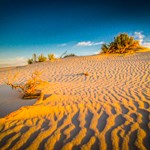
33, 59
30, 61
51, 57
41, 58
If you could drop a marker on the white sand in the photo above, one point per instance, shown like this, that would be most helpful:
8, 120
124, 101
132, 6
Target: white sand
108, 109
11, 100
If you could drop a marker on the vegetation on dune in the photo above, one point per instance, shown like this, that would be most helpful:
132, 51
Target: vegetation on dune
41, 58
63, 54
51, 57
30, 88
69, 55
123, 43
30, 61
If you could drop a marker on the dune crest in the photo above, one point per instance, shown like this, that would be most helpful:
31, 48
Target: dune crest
108, 109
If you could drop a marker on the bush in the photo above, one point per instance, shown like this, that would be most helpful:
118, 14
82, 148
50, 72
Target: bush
51, 57
69, 55
41, 58
30, 61
30, 88
123, 43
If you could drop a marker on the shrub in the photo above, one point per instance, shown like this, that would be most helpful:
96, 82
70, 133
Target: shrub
123, 43
30, 61
69, 55
41, 58
30, 88
105, 48
51, 57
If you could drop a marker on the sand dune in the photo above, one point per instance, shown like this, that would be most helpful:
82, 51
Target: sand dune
11, 100
109, 109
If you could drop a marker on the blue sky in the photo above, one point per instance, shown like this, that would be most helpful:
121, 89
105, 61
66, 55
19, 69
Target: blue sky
80, 27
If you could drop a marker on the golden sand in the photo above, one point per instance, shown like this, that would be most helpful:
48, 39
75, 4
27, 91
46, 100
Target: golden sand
108, 109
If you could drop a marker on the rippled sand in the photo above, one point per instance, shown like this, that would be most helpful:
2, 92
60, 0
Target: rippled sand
109, 109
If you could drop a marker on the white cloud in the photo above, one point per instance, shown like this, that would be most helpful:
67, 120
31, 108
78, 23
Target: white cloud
146, 44
139, 36
144, 41
89, 43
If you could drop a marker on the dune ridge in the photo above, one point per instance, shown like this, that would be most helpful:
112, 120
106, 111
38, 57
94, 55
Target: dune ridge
109, 109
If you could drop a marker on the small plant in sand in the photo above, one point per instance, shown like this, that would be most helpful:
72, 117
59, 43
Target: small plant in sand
30, 61
86, 74
41, 58
30, 88
51, 57
69, 55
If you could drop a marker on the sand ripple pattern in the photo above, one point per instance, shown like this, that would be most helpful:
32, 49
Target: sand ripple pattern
109, 109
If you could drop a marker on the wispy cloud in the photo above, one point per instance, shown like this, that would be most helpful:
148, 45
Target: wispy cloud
63, 44
19, 59
139, 36
97, 52
89, 43
144, 41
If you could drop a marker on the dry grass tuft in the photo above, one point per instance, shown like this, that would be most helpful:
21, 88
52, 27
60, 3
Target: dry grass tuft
29, 89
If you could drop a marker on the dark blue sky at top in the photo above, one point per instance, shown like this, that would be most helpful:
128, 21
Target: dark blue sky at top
28, 23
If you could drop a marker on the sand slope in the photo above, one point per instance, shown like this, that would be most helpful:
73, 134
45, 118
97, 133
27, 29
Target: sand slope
11, 100
109, 109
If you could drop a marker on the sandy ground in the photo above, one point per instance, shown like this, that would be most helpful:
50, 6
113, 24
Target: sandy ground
109, 109
11, 100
